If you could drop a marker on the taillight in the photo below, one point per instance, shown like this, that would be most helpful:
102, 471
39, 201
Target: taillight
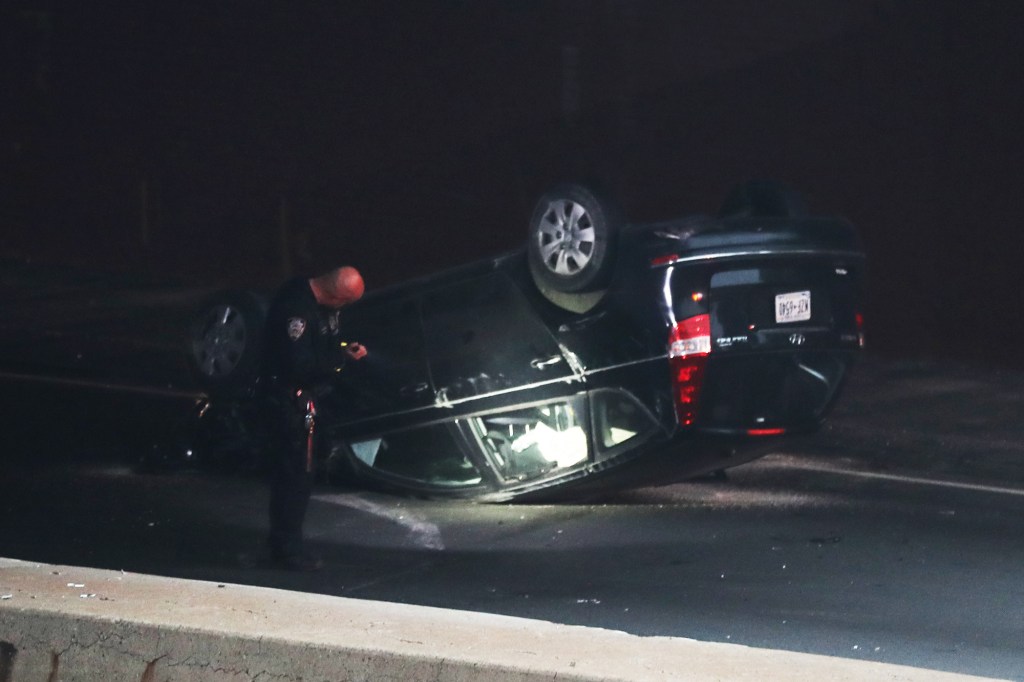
860, 329
664, 260
765, 432
689, 344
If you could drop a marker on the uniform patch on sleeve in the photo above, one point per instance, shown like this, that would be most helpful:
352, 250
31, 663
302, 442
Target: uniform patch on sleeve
296, 328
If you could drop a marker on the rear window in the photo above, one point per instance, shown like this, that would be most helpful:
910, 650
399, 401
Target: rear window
818, 293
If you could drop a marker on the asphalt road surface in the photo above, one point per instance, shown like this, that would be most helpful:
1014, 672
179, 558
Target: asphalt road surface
806, 552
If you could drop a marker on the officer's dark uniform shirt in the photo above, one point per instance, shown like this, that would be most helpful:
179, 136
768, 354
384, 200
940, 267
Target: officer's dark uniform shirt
303, 339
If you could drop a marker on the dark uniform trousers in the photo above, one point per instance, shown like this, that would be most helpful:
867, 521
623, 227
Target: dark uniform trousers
291, 467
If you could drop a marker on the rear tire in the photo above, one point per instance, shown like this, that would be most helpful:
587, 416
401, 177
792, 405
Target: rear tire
572, 237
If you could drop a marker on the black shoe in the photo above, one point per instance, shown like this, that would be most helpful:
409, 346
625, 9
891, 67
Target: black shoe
297, 562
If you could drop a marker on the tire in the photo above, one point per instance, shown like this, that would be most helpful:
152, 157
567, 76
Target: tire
763, 199
572, 237
226, 342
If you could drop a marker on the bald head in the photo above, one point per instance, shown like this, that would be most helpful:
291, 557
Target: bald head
338, 287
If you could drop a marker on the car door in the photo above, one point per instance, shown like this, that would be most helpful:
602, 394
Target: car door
483, 339
392, 378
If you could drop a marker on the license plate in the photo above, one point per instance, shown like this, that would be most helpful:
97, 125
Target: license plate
793, 307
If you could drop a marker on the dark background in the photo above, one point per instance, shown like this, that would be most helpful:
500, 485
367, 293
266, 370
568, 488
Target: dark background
232, 142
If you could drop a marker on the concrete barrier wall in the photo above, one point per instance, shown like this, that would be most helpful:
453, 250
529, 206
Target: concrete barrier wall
69, 624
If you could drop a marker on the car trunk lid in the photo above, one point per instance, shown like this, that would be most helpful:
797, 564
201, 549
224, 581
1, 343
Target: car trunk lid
781, 300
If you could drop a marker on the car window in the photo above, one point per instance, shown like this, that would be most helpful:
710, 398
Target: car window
744, 299
481, 336
618, 418
427, 454
531, 442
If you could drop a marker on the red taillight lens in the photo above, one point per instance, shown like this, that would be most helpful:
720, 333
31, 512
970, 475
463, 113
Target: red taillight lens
860, 329
765, 432
689, 343
664, 260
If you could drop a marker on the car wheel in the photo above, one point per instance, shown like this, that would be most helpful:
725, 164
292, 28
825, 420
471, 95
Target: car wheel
571, 240
226, 342
763, 199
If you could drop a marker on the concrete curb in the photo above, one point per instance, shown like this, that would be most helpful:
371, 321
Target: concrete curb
69, 623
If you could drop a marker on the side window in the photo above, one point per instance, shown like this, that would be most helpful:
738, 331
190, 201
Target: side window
532, 442
481, 336
428, 454
618, 418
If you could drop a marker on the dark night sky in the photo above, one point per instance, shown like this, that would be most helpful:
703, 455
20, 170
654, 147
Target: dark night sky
232, 141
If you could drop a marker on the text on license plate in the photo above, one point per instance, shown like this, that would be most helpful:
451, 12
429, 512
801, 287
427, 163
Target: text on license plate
793, 307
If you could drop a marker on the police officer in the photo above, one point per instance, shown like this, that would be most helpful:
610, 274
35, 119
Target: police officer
305, 350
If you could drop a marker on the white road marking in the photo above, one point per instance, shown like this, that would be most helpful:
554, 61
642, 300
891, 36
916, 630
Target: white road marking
917, 480
423, 533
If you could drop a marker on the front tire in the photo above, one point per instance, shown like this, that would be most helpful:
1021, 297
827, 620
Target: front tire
226, 342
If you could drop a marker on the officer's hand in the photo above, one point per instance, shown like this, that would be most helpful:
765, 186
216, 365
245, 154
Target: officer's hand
356, 351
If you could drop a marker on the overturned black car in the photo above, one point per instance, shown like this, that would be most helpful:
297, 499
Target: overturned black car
688, 346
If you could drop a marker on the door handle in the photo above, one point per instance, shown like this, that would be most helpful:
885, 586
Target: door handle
541, 363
